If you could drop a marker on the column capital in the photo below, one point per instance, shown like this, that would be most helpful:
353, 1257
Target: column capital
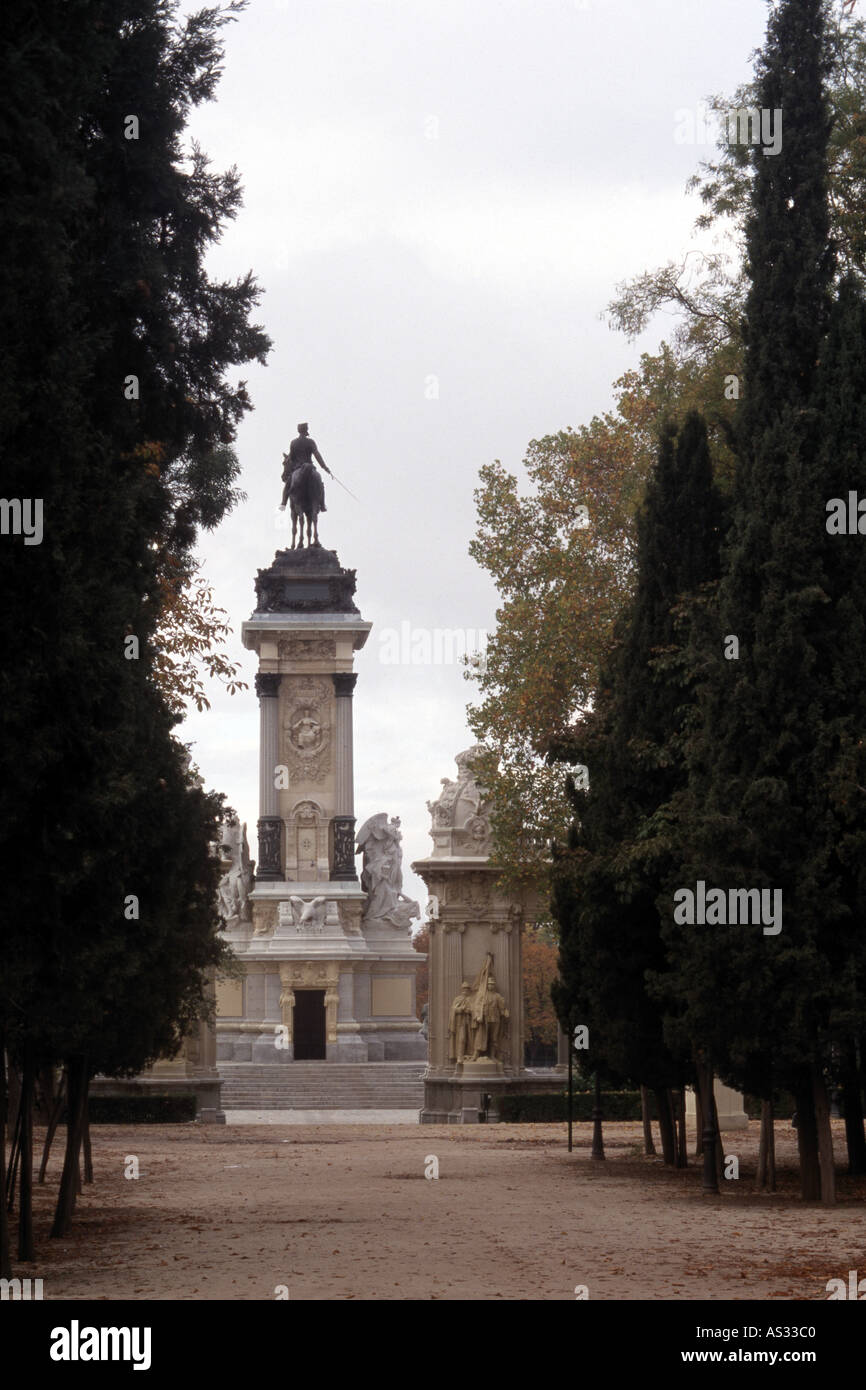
344, 683
267, 684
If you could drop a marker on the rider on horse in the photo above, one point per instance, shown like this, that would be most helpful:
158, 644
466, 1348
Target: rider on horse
301, 450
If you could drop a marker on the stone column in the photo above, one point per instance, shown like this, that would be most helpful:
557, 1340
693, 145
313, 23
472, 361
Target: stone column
285, 1045
270, 824
452, 972
344, 793
332, 1000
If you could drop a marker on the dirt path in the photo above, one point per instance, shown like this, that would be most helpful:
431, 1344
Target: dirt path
334, 1212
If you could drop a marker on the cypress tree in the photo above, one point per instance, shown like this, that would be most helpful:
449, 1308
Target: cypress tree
767, 746
117, 414
607, 881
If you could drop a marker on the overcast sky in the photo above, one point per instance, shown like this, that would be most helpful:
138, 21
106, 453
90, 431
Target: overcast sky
440, 199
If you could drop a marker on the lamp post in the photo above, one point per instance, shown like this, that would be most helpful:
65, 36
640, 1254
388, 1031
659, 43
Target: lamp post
570, 1080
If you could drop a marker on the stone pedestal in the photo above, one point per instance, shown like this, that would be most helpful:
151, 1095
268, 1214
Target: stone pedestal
309, 932
729, 1105
471, 923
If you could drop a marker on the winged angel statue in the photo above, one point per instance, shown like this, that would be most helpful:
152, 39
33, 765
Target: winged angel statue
382, 874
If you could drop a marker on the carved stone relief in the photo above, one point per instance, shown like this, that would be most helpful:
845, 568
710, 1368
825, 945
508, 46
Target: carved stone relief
309, 918
307, 843
307, 649
264, 918
307, 729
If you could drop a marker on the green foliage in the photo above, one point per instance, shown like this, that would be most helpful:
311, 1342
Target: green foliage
607, 878
175, 1109
784, 1106
774, 755
551, 1107
103, 279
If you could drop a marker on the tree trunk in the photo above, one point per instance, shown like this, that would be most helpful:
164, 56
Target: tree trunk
26, 1249
771, 1147
699, 1124
14, 1153
682, 1140
765, 1178
54, 1120
13, 1094
5, 1255
88, 1157
43, 1105
666, 1128
76, 1087
597, 1135
710, 1175
807, 1142
826, 1159
648, 1145
719, 1146
852, 1107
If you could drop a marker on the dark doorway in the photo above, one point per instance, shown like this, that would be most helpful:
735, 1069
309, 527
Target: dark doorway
309, 1027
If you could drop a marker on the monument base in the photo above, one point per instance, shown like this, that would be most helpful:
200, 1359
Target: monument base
484, 1068
458, 1098
729, 1105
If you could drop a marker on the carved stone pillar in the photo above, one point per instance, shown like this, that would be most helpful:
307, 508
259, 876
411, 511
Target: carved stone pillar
287, 1006
270, 825
453, 958
332, 1000
475, 935
344, 794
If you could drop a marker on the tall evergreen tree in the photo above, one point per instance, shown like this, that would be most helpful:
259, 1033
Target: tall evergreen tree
841, 394
607, 882
767, 748
117, 415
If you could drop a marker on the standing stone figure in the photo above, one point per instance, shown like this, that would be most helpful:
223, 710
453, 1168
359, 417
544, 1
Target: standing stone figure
303, 485
236, 883
460, 1025
489, 1021
382, 875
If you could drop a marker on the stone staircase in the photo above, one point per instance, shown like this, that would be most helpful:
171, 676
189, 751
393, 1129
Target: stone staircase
322, 1086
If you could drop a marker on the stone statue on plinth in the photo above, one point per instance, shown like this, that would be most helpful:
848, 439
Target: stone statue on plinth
489, 1023
461, 812
303, 486
460, 1025
236, 883
382, 876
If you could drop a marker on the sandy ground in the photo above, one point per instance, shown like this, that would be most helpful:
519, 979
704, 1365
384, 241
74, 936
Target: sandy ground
345, 1212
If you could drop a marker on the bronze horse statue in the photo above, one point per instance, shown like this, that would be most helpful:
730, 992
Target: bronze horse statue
306, 498
303, 486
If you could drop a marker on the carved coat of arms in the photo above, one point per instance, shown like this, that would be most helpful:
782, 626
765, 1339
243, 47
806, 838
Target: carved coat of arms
307, 731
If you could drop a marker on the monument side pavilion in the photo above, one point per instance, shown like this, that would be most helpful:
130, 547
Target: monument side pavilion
329, 968
475, 1017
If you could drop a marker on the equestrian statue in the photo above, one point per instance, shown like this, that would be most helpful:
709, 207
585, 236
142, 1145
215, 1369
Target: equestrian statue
303, 487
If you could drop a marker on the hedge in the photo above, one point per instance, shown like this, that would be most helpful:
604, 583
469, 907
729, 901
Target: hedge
550, 1107
142, 1110
784, 1106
